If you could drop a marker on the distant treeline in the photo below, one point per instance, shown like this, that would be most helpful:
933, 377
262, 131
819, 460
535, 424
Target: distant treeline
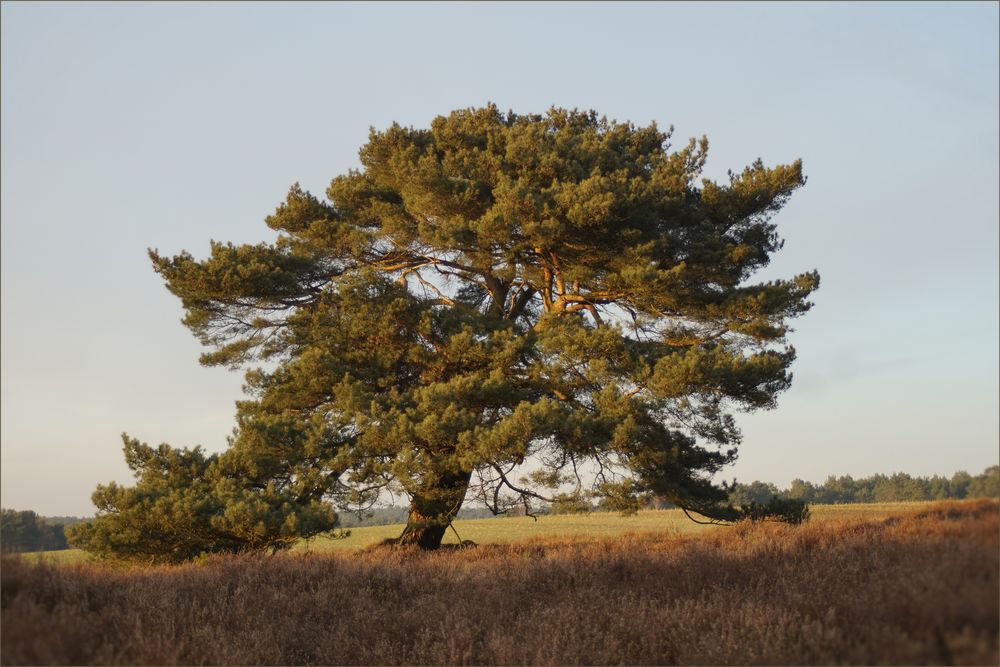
26, 531
876, 489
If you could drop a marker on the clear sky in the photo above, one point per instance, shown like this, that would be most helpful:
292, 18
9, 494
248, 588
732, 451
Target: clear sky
128, 125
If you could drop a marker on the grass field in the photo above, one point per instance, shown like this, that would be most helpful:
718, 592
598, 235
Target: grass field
504, 530
906, 584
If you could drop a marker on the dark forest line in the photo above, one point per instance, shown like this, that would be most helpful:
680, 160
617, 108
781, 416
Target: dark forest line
27, 531
898, 487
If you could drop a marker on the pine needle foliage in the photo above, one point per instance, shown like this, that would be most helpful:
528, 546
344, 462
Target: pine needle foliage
510, 308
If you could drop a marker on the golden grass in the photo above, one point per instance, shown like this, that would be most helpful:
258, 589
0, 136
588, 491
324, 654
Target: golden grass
915, 586
63, 556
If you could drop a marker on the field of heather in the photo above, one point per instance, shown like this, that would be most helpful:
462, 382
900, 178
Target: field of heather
893, 585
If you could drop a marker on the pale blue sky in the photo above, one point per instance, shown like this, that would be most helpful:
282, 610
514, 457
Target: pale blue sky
127, 126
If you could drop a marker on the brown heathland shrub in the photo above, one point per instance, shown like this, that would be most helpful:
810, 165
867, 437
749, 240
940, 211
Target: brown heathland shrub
917, 588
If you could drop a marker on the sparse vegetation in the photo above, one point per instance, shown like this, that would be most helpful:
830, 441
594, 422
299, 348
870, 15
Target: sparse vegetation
914, 587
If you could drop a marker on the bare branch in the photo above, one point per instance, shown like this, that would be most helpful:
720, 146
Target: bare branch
522, 492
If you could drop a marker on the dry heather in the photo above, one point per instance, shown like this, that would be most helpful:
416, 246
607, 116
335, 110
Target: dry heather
917, 588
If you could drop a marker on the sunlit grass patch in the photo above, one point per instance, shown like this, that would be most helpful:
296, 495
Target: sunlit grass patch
503, 530
63, 556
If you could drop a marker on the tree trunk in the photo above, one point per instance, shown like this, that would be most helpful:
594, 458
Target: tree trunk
432, 511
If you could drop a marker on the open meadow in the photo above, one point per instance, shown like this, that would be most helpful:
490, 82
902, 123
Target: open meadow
894, 584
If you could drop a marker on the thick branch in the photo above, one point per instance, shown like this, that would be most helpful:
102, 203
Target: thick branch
557, 274
497, 289
520, 302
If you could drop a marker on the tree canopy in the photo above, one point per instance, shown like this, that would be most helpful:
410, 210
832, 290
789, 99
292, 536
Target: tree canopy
509, 308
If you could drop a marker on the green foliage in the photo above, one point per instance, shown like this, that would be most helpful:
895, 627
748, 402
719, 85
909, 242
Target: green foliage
568, 503
64, 520
186, 504
491, 295
755, 492
785, 510
802, 490
986, 485
960, 483
899, 487
26, 531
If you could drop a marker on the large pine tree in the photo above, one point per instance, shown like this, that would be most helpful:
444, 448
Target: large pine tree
515, 308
